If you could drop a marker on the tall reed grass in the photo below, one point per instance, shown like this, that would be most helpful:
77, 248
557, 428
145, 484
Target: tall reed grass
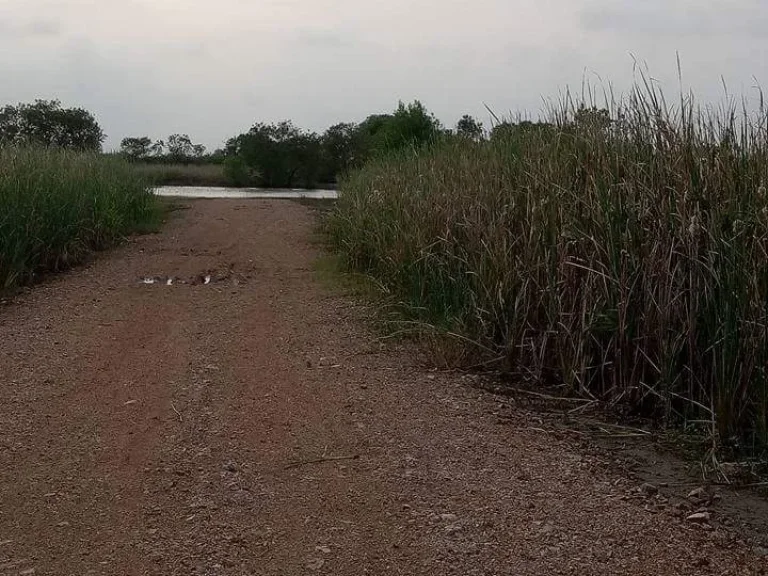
626, 260
56, 207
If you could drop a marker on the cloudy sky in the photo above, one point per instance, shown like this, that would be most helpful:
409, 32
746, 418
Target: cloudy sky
211, 68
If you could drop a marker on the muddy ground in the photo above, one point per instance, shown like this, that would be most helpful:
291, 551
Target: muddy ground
244, 420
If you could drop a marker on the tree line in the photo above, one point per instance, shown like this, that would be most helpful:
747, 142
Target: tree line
271, 155
282, 154
277, 154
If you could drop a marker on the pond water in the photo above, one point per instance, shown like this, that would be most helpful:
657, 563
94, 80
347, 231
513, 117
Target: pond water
213, 192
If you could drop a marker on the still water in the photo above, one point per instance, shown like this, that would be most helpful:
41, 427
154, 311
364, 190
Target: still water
213, 192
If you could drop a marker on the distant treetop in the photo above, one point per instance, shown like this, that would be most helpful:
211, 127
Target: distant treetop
46, 123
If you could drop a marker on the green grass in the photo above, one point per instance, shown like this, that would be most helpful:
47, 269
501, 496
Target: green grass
627, 262
183, 174
57, 207
333, 275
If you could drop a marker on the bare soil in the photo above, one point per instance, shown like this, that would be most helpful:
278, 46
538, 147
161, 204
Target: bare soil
254, 425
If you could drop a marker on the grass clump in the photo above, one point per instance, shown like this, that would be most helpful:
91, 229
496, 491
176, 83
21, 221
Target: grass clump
623, 254
57, 206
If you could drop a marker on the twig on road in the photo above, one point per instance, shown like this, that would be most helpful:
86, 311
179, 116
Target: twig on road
321, 460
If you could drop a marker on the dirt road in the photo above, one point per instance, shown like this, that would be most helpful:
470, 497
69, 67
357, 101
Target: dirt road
252, 425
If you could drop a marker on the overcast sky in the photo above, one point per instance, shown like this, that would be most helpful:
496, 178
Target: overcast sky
211, 68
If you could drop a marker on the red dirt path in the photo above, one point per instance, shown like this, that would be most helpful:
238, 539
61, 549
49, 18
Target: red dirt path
154, 429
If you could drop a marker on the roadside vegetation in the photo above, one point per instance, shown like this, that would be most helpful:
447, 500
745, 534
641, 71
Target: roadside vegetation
60, 198
57, 206
621, 253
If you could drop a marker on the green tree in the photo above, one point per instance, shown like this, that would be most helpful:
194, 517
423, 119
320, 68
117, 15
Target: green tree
182, 149
217, 156
238, 173
507, 129
157, 149
281, 154
411, 125
503, 129
136, 148
468, 127
592, 118
367, 137
338, 150
46, 123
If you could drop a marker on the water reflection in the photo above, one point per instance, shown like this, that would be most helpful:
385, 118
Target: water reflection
212, 192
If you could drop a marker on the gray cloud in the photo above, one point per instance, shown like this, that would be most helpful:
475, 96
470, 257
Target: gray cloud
41, 28
677, 18
213, 69
323, 38
30, 29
